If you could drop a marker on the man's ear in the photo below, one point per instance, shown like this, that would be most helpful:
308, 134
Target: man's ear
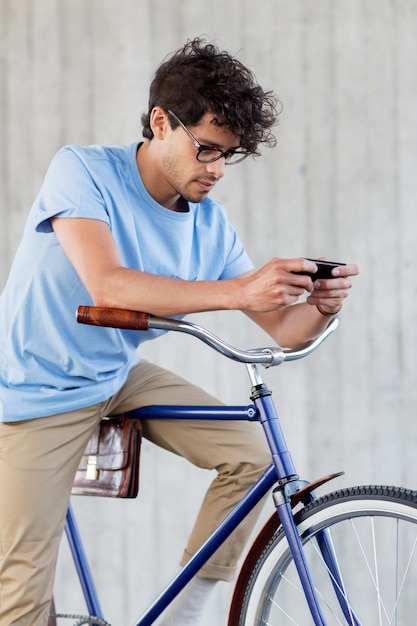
159, 122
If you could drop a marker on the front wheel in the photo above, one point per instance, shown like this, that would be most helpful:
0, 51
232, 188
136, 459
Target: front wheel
373, 530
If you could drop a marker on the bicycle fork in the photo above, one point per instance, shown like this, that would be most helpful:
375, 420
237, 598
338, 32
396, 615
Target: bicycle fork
288, 484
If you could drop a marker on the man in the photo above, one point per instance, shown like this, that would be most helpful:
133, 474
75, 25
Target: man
133, 227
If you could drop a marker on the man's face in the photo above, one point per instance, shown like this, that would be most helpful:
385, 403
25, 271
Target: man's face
188, 177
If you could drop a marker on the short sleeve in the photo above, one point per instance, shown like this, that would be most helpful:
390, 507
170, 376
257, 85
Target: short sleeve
69, 190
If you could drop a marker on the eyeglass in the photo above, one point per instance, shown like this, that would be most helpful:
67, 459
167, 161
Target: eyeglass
208, 154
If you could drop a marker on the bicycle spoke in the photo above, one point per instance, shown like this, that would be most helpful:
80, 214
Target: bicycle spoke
398, 587
280, 608
400, 590
373, 576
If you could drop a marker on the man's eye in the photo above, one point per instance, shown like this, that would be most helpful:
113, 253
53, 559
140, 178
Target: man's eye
211, 152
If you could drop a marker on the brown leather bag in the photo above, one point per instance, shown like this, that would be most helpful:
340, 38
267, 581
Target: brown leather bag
110, 463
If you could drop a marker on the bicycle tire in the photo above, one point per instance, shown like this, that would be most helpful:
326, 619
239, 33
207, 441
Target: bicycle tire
374, 533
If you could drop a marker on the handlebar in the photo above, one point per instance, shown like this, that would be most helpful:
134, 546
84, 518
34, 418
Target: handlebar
136, 320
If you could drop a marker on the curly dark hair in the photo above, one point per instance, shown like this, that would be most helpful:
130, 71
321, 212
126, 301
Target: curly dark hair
199, 78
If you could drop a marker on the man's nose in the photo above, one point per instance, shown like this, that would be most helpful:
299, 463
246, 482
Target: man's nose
217, 168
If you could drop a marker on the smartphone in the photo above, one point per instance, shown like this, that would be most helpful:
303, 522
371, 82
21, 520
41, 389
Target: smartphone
324, 269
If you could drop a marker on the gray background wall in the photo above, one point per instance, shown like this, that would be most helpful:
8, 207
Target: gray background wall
341, 183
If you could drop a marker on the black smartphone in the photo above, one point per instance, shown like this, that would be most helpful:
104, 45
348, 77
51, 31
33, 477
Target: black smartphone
324, 269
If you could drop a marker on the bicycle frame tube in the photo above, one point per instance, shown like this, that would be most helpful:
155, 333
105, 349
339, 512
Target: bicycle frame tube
281, 470
222, 532
169, 411
81, 565
254, 495
287, 483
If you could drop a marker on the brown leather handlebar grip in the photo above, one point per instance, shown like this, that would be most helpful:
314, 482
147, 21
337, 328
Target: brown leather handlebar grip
114, 318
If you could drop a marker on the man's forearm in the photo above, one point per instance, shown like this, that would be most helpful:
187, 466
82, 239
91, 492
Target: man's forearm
292, 326
164, 296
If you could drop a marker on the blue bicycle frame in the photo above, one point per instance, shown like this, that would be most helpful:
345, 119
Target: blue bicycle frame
280, 473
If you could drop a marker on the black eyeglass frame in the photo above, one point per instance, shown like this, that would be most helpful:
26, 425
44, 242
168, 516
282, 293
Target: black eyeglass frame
201, 148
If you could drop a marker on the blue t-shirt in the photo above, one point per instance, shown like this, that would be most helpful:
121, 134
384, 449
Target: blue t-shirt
48, 362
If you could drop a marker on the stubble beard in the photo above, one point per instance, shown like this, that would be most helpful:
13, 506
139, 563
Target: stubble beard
173, 177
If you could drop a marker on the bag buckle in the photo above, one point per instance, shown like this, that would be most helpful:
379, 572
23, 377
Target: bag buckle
92, 472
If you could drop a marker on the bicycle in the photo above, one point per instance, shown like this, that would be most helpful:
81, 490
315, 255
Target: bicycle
346, 558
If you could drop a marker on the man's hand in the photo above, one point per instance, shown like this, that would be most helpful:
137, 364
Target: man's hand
328, 294
275, 285
272, 288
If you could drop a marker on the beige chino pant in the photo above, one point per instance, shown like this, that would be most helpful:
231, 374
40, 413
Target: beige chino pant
38, 460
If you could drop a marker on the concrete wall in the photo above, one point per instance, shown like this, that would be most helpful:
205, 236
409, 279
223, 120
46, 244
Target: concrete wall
341, 183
